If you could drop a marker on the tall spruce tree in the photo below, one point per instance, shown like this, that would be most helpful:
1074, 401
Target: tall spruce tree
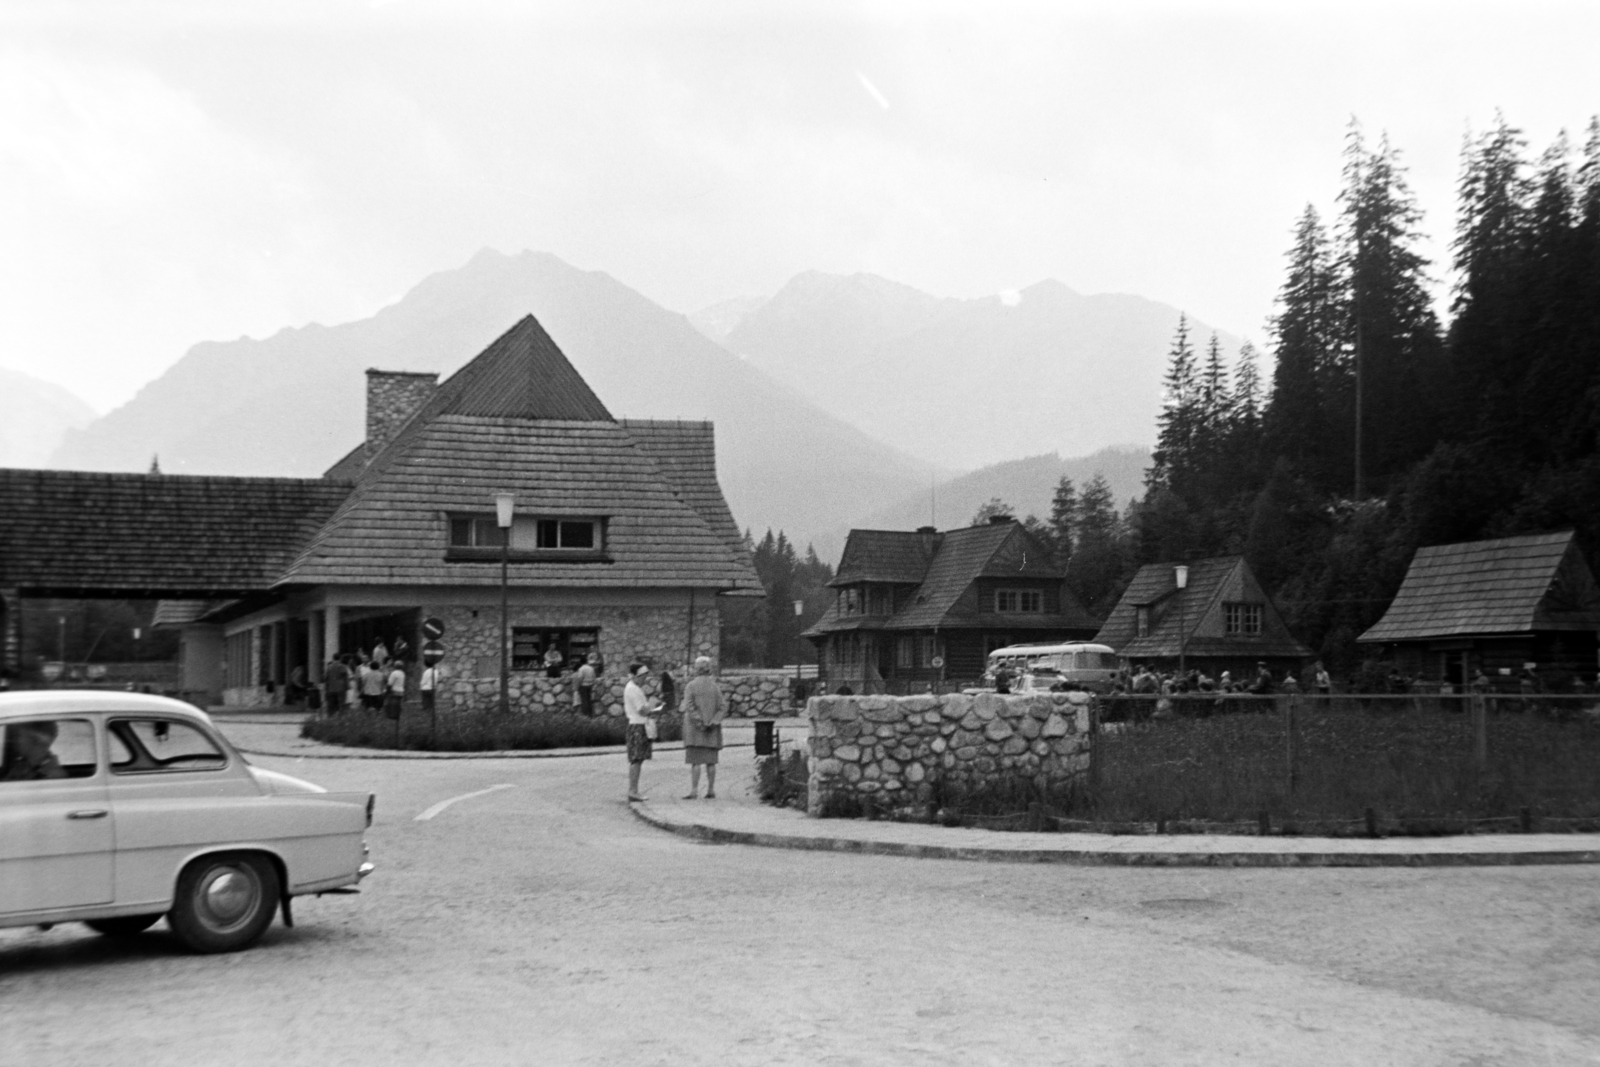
1063, 520
1306, 332
1174, 454
1392, 335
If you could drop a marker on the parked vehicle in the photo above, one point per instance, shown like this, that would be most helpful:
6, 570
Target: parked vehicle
119, 808
1074, 665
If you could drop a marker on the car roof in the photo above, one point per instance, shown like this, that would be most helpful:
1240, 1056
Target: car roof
29, 702
1038, 649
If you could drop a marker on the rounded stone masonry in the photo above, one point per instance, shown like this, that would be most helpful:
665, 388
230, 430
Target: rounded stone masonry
906, 746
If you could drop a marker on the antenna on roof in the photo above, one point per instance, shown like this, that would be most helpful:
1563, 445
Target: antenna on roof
933, 499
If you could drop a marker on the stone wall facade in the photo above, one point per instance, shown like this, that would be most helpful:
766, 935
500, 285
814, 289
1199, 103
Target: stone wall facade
899, 747
657, 636
762, 694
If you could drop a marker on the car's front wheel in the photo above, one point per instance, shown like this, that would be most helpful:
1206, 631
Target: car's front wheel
224, 902
122, 925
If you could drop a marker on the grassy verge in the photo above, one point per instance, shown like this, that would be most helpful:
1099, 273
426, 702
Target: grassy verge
474, 731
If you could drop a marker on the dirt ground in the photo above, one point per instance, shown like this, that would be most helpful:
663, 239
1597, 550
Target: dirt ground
543, 923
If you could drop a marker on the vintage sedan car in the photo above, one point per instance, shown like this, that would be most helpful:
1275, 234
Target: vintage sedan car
119, 808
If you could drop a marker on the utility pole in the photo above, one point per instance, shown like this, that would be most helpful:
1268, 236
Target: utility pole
1356, 282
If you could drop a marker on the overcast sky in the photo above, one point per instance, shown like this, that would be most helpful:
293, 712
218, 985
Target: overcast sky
177, 172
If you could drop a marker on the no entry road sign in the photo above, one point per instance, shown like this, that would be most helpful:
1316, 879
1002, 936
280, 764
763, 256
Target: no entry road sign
432, 653
432, 628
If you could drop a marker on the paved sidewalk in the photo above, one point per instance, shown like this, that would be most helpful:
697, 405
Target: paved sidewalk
739, 819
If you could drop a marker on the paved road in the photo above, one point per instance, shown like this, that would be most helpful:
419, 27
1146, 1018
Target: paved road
543, 924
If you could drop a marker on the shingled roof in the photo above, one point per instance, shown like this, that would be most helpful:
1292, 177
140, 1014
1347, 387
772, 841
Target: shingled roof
1186, 619
139, 535
519, 418
955, 560
1506, 585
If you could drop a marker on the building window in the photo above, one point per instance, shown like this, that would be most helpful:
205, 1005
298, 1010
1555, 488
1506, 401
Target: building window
1142, 618
850, 601
905, 652
880, 601
927, 649
1242, 619
238, 657
582, 534
1011, 601
532, 536
531, 647
848, 650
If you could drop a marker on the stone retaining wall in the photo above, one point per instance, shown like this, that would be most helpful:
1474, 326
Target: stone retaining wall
898, 747
762, 694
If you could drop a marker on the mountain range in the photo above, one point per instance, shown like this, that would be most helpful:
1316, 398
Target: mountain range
964, 383
35, 416
837, 401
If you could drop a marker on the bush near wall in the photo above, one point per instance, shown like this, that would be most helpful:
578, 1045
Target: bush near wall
475, 731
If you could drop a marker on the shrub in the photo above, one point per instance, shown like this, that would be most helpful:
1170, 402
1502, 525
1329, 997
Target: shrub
476, 731
783, 781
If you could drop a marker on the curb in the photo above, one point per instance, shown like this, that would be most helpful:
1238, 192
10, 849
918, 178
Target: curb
1107, 858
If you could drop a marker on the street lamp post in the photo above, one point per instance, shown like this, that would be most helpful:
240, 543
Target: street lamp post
505, 505
1180, 577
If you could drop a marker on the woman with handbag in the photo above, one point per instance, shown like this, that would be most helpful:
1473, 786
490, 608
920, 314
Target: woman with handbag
641, 724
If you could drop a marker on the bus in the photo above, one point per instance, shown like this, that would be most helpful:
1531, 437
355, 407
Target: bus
1074, 665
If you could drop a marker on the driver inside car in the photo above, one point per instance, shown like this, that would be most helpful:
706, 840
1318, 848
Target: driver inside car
27, 753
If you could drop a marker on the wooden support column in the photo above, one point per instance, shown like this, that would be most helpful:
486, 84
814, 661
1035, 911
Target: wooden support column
10, 633
330, 632
314, 642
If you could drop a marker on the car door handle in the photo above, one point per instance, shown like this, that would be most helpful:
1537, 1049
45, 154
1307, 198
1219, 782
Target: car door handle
88, 813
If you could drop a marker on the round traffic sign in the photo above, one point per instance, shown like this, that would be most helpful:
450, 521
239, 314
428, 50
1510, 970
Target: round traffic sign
432, 653
432, 628
937, 661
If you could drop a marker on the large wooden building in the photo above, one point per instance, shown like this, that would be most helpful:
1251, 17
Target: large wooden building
914, 607
1496, 605
621, 541
1221, 620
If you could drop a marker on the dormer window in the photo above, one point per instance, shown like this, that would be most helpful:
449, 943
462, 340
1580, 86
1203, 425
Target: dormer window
533, 537
850, 601
1141, 616
1013, 601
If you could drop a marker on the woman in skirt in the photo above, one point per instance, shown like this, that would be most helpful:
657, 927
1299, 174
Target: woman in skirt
638, 709
704, 708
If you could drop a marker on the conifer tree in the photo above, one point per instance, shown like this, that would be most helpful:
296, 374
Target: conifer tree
1391, 329
1063, 519
1306, 332
1180, 414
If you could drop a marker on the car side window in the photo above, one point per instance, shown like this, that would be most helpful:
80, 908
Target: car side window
142, 746
39, 749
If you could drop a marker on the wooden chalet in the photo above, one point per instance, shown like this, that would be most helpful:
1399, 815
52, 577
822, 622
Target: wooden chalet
1496, 605
1222, 620
916, 607
621, 544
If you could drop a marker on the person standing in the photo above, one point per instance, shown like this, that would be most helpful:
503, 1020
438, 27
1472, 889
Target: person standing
394, 690
380, 652
426, 686
335, 680
552, 661
1321, 679
372, 686
704, 708
638, 709
585, 682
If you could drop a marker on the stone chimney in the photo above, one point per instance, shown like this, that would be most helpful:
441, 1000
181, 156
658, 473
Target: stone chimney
393, 396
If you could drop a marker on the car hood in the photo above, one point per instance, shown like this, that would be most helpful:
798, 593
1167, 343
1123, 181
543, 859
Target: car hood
279, 784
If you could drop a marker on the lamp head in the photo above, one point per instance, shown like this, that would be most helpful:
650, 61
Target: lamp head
505, 505
1180, 575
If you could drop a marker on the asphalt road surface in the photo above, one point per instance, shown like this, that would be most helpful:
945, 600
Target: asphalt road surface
543, 924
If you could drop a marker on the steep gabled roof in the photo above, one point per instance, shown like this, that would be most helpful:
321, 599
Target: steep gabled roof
1505, 585
393, 528
894, 556
87, 533
960, 558
521, 375
686, 452
1177, 615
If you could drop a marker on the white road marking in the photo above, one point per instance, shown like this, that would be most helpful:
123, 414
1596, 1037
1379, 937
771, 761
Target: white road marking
437, 808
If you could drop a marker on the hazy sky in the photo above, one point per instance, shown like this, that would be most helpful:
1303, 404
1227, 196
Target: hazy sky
176, 172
